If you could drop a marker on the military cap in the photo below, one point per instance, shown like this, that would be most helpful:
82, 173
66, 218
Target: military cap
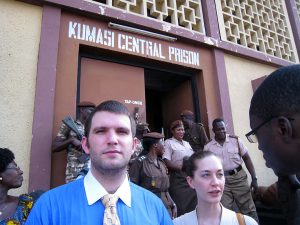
142, 127
153, 135
86, 104
187, 113
175, 124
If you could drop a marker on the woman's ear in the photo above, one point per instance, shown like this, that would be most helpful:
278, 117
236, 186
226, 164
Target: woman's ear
190, 181
284, 128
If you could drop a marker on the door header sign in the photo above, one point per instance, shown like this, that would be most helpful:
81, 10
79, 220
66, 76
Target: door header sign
100, 36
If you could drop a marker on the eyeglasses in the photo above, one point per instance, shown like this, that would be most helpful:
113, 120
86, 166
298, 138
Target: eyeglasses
13, 168
251, 136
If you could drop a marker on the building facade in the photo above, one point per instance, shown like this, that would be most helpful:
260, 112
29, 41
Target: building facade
158, 57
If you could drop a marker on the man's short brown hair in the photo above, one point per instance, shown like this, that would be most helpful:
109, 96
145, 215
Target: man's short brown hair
113, 107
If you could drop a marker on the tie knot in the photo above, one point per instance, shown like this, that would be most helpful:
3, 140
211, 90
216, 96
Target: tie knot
109, 200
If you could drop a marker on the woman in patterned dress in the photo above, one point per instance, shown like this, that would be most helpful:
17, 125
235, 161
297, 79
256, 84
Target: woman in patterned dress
13, 210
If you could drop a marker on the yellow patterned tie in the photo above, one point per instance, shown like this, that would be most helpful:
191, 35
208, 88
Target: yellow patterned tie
110, 212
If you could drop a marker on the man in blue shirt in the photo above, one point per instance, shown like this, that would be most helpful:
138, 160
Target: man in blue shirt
109, 140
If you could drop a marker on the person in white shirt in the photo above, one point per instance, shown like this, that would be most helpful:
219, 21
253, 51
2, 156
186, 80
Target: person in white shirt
176, 151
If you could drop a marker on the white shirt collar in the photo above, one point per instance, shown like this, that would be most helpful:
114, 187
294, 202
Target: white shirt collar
95, 191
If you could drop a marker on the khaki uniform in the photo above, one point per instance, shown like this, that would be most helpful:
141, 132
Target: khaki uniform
196, 136
175, 150
237, 189
183, 195
146, 174
76, 159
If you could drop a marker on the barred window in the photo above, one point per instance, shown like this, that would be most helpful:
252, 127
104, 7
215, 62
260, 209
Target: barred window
257, 24
183, 13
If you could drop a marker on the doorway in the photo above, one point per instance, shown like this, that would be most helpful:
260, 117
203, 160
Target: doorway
167, 94
160, 91
156, 93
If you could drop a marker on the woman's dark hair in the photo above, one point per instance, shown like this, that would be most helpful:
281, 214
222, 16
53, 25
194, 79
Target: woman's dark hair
6, 157
189, 165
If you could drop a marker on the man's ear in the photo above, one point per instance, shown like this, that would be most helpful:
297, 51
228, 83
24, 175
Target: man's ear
284, 128
190, 181
85, 145
135, 143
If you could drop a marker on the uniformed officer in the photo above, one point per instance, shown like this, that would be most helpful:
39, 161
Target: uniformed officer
233, 152
176, 152
150, 172
194, 132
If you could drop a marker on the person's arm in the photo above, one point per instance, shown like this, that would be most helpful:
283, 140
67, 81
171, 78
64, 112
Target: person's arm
173, 207
60, 144
203, 136
171, 165
250, 168
205, 148
167, 156
63, 140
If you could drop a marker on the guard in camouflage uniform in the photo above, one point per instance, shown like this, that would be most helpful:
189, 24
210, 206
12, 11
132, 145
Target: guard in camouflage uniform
67, 139
194, 132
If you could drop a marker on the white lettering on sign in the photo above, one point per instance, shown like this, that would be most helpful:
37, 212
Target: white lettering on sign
137, 45
98, 36
132, 44
133, 102
183, 56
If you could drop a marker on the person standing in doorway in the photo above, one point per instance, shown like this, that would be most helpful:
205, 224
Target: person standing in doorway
233, 153
176, 151
194, 132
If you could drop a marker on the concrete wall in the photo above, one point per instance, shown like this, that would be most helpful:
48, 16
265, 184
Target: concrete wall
240, 72
20, 26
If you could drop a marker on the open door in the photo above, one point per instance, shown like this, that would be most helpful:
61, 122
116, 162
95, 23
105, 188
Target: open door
99, 81
102, 80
